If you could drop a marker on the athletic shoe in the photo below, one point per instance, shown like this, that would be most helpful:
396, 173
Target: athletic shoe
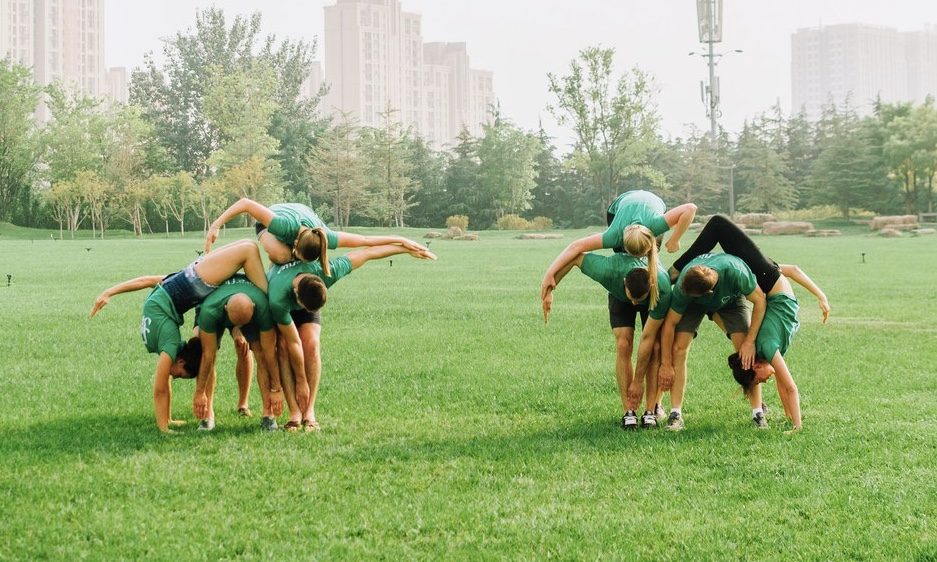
310, 426
675, 422
245, 412
629, 420
659, 412
206, 425
268, 423
760, 421
291, 426
648, 420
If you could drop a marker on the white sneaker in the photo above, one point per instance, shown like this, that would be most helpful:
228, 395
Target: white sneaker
629, 421
206, 425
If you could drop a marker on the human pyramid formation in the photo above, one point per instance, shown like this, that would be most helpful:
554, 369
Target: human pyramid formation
277, 315
258, 309
672, 305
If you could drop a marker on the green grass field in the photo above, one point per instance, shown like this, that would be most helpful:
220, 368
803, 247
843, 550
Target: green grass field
456, 426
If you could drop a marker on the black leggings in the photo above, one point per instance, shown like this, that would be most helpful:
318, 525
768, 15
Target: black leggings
720, 230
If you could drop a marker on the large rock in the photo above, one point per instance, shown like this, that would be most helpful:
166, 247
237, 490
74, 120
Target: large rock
754, 219
890, 233
454, 232
879, 223
785, 227
433, 235
538, 236
924, 231
467, 237
822, 233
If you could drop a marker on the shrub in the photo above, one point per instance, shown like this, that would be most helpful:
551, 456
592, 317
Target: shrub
512, 222
541, 223
458, 220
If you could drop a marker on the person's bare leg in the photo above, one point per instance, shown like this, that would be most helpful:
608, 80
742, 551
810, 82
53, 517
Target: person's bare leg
309, 335
278, 252
651, 392
221, 264
244, 370
624, 370
288, 382
263, 379
681, 351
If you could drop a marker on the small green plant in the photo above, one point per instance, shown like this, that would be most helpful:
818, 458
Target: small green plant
541, 223
512, 222
461, 221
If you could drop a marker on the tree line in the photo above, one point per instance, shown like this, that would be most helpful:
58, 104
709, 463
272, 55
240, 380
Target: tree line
222, 117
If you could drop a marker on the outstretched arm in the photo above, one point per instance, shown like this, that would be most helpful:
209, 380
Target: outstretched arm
294, 349
548, 299
576, 248
801, 278
206, 367
162, 392
348, 240
144, 282
268, 357
363, 256
747, 351
679, 220
260, 213
787, 389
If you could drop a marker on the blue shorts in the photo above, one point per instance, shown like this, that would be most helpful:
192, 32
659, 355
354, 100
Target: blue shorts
186, 288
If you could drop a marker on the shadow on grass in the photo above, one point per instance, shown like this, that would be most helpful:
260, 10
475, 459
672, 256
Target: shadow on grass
107, 434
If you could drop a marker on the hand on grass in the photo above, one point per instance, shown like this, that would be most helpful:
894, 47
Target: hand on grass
99, 303
825, 309
547, 306
547, 286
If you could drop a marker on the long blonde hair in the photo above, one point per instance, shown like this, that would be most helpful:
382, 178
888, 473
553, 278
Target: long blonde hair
639, 241
312, 244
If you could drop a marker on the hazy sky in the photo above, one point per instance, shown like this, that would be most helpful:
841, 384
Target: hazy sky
522, 40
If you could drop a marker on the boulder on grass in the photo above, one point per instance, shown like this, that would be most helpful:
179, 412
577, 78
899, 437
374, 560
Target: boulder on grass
433, 235
890, 233
822, 233
924, 231
538, 236
467, 237
879, 223
786, 227
754, 219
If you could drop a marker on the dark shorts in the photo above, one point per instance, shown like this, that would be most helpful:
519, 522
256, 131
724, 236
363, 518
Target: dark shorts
736, 317
186, 288
259, 228
624, 314
303, 316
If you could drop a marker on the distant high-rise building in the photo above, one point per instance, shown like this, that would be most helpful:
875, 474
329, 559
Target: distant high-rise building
117, 87
62, 40
312, 83
863, 63
375, 59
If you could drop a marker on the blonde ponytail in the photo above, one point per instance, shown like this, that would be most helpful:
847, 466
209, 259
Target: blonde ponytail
639, 241
323, 251
312, 244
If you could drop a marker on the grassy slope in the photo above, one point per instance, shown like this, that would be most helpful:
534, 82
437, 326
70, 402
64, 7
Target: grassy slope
458, 426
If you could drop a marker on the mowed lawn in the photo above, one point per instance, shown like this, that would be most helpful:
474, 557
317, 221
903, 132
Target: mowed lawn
457, 426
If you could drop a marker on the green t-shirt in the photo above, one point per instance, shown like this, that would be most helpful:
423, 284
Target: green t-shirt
634, 207
735, 280
280, 284
212, 317
288, 218
610, 272
778, 327
160, 325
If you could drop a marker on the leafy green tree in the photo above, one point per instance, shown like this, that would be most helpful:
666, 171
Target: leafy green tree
762, 170
390, 186
549, 196
19, 143
506, 156
428, 169
338, 171
695, 175
462, 182
614, 122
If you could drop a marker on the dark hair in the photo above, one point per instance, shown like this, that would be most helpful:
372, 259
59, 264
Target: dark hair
191, 353
311, 292
698, 280
745, 377
638, 282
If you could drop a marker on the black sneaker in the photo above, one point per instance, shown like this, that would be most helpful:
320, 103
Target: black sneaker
675, 422
648, 420
629, 420
760, 421
206, 425
268, 423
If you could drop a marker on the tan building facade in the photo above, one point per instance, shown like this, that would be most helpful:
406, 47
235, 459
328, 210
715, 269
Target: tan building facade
863, 63
375, 58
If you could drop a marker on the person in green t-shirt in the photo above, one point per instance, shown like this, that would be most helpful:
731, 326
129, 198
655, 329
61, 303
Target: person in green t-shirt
716, 285
289, 231
635, 221
297, 293
780, 321
241, 307
627, 281
172, 296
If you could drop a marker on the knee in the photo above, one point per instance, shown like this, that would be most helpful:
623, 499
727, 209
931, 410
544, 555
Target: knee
624, 346
719, 220
681, 349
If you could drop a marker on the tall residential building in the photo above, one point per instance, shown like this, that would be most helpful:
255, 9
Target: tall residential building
862, 62
312, 83
118, 89
62, 40
375, 59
